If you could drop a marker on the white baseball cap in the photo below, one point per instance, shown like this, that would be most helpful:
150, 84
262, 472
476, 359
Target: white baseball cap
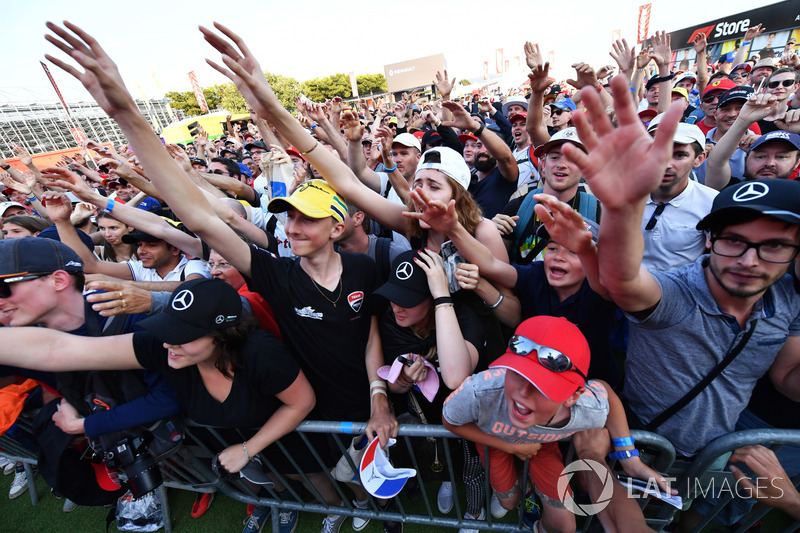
406, 139
447, 161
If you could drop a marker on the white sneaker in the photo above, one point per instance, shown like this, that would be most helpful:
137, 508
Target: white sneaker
498, 511
468, 516
358, 522
332, 523
20, 483
445, 497
69, 505
9, 468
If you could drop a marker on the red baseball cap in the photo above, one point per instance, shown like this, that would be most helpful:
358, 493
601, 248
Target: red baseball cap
556, 333
720, 84
521, 115
293, 151
464, 137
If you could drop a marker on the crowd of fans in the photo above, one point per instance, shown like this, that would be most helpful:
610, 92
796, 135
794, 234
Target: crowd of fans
572, 259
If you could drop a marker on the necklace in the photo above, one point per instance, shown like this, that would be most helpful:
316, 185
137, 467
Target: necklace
340, 284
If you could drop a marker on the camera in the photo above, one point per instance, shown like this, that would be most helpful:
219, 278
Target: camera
132, 456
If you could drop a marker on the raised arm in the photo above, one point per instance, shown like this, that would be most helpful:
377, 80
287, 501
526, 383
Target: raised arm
539, 83
623, 166
700, 45
662, 53
354, 133
103, 81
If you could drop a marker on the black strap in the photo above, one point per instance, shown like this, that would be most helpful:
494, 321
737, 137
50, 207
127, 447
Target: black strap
670, 411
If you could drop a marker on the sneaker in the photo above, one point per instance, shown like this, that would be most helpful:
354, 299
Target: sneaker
530, 510
4, 461
201, 504
360, 523
69, 506
445, 498
288, 520
332, 523
9, 468
20, 483
498, 511
255, 522
468, 516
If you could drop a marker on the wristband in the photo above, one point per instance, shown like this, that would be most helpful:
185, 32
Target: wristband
746, 43
244, 447
621, 443
377, 391
31, 196
5, 166
625, 454
377, 384
110, 206
390, 170
312, 129
442, 300
497, 303
312, 149
479, 130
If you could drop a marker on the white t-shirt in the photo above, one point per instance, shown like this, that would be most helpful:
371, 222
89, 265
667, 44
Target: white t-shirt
192, 266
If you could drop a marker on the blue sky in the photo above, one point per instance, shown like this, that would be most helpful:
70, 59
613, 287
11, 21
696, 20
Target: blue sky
155, 44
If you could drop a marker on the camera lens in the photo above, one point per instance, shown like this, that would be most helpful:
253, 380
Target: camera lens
143, 475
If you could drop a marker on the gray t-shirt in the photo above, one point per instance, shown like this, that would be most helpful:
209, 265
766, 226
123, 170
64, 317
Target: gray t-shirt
481, 400
684, 338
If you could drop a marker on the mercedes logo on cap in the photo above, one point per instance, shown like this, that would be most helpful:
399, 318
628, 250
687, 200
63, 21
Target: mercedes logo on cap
750, 191
183, 300
404, 271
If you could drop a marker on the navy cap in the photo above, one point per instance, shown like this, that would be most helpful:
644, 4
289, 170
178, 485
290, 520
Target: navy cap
52, 234
34, 255
195, 309
256, 144
773, 198
741, 92
135, 237
198, 161
408, 284
778, 135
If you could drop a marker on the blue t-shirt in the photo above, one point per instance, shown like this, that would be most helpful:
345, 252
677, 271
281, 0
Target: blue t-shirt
492, 192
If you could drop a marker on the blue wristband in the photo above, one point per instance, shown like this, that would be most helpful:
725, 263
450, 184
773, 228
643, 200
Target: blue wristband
390, 170
110, 205
621, 443
626, 454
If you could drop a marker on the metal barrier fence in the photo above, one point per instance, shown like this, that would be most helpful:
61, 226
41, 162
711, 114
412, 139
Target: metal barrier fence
190, 469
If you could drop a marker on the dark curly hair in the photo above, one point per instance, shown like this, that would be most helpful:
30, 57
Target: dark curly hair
229, 343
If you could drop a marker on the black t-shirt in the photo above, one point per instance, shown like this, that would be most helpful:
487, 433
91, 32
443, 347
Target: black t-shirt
268, 370
594, 316
492, 192
767, 126
329, 342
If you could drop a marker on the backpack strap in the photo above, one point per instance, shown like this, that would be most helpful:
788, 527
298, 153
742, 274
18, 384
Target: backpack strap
383, 258
588, 206
525, 213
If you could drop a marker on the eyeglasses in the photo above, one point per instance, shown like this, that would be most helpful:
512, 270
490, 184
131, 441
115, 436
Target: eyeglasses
654, 217
740, 74
770, 252
5, 285
550, 358
711, 99
222, 265
776, 84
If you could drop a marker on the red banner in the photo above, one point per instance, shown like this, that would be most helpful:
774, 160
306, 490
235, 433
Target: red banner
644, 22
79, 135
198, 93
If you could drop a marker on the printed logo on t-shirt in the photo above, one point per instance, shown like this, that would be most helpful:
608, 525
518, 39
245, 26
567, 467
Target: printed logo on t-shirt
308, 312
355, 299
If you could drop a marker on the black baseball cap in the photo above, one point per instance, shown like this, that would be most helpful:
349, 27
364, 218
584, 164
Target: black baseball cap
135, 237
256, 144
195, 309
408, 284
741, 92
773, 198
32, 255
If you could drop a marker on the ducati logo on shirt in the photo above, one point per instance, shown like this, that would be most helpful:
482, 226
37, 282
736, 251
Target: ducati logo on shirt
355, 299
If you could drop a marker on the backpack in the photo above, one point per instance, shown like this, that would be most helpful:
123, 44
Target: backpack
587, 207
383, 258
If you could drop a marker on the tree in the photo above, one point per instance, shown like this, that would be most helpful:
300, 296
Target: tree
285, 88
321, 89
464, 82
371, 84
230, 98
186, 101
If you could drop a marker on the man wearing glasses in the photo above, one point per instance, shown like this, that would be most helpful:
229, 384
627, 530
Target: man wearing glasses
671, 239
741, 73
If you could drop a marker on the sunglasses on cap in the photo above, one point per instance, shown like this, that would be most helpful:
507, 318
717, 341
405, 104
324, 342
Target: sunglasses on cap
5, 285
550, 358
776, 84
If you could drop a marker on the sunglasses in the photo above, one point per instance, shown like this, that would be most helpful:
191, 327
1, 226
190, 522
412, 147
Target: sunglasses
711, 99
550, 358
219, 172
5, 286
557, 112
776, 84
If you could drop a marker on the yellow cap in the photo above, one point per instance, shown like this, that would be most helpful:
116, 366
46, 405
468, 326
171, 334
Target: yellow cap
315, 199
681, 91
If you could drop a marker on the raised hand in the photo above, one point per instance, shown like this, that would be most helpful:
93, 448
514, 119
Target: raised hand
790, 121
662, 51
700, 43
433, 214
564, 225
400, 110
624, 164
753, 32
66, 179
539, 78
336, 105
643, 58
23, 155
100, 76
444, 86
58, 206
758, 106
461, 119
585, 76
180, 156
605, 71
532, 56
353, 130
624, 55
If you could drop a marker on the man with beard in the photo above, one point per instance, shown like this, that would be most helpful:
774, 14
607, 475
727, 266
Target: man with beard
772, 156
495, 179
519, 225
671, 239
